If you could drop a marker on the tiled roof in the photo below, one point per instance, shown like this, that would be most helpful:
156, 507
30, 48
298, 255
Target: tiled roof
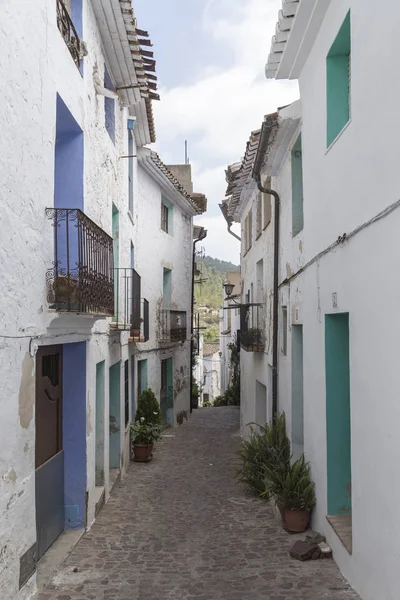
130, 58
156, 168
282, 32
239, 174
157, 161
210, 348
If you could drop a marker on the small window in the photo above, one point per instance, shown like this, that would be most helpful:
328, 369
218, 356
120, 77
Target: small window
266, 209
258, 215
338, 84
250, 226
164, 218
297, 187
284, 330
109, 106
167, 212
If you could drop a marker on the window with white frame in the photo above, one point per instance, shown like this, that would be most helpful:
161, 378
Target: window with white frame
166, 216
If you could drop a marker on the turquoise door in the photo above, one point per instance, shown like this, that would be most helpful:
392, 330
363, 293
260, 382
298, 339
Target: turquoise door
338, 430
115, 415
167, 392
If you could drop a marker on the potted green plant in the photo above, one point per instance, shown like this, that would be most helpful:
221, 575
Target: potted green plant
147, 427
294, 493
148, 408
143, 436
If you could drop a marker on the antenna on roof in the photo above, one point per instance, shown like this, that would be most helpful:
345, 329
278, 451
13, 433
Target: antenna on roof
186, 153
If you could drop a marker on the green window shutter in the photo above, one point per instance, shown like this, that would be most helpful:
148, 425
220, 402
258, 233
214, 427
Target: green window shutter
297, 187
338, 74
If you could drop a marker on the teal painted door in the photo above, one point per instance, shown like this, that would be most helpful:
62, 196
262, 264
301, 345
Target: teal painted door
115, 415
100, 431
167, 392
338, 430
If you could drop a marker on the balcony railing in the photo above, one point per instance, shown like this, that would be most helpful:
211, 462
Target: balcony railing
173, 325
252, 328
68, 32
141, 333
81, 279
131, 312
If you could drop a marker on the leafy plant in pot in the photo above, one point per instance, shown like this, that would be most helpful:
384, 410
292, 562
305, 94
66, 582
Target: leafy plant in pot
147, 427
294, 493
143, 436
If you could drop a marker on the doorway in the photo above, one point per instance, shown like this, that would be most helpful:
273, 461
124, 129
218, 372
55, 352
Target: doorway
167, 392
115, 415
261, 404
49, 453
100, 430
338, 424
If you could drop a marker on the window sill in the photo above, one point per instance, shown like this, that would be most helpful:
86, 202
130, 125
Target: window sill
342, 526
130, 215
338, 136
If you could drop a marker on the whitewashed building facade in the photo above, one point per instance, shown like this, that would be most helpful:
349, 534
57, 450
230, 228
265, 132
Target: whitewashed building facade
166, 209
332, 163
348, 314
229, 327
77, 114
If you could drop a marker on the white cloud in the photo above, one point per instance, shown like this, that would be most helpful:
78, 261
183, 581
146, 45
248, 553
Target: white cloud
221, 106
219, 243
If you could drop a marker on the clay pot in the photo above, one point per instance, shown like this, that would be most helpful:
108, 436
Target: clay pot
295, 521
142, 452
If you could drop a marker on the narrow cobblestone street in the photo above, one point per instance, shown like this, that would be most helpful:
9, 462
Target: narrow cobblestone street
182, 528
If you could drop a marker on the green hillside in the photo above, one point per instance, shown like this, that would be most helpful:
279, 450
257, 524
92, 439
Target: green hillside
209, 292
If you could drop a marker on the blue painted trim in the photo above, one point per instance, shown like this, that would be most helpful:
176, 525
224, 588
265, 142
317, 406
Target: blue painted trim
74, 434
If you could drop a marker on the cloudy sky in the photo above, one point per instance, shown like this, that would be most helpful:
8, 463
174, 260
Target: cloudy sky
210, 65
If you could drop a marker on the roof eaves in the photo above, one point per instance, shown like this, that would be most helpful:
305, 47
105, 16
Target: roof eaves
131, 62
170, 181
268, 131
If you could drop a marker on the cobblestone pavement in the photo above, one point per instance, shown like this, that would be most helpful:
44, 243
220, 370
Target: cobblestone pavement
182, 528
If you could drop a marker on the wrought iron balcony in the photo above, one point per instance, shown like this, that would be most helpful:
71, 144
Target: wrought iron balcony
140, 333
81, 279
131, 312
68, 32
252, 328
173, 325
127, 286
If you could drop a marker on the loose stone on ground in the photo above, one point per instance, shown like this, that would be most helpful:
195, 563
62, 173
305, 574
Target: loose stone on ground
181, 528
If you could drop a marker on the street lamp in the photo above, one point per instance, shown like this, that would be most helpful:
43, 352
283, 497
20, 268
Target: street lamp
228, 287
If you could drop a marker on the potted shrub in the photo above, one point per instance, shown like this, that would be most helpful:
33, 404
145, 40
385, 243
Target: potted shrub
294, 494
147, 426
143, 436
148, 408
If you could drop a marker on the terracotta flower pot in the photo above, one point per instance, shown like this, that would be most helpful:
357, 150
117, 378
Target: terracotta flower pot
296, 521
142, 452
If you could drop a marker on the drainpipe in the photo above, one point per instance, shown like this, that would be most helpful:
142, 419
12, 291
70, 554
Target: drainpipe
232, 233
275, 297
202, 235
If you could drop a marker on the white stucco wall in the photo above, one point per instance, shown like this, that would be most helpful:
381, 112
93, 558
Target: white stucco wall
212, 370
155, 252
256, 366
343, 188
31, 75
